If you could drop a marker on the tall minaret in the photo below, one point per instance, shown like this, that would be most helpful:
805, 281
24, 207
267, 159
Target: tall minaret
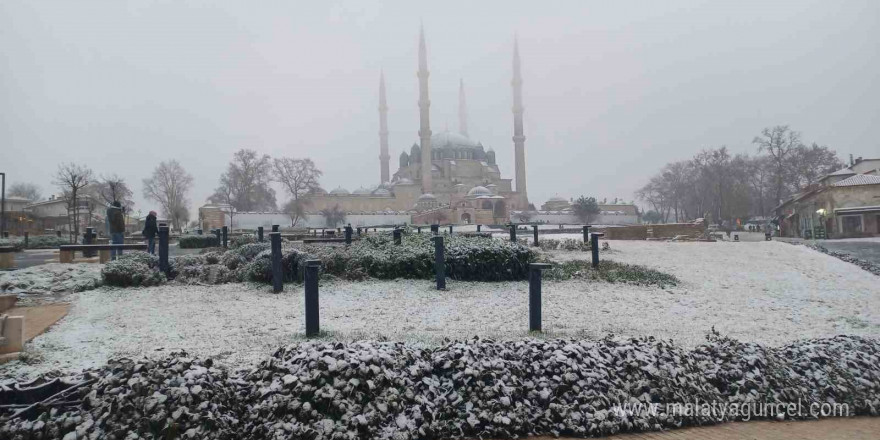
462, 110
424, 114
519, 140
383, 132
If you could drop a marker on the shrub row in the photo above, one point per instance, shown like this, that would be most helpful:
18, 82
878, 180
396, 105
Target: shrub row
35, 242
198, 241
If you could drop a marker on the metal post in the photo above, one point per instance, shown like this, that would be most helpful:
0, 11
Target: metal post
586, 233
359, 231
535, 233
439, 263
478, 228
5, 234
512, 232
163, 249
450, 229
225, 237
435, 229
535, 295
311, 286
277, 274
25, 239
396, 234
218, 234
348, 234
260, 234
594, 247
322, 232
58, 233
275, 228
3, 203
88, 238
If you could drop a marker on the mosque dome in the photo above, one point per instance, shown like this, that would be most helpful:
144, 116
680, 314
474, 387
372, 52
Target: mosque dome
340, 191
382, 192
403, 181
451, 139
479, 191
426, 197
361, 191
557, 199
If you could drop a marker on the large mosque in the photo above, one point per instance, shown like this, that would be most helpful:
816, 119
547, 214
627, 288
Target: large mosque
463, 183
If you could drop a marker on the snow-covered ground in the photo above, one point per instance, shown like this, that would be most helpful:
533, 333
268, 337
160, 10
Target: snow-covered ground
766, 292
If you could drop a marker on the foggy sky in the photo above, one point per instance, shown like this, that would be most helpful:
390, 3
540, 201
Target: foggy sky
612, 90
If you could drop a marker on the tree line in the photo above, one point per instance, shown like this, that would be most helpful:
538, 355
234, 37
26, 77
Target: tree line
719, 186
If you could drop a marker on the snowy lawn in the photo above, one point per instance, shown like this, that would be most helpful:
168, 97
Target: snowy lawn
765, 292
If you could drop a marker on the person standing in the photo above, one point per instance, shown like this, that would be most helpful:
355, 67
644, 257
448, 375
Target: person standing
151, 228
116, 227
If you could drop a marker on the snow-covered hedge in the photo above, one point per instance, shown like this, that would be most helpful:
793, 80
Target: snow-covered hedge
133, 269
35, 242
468, 389
198, 241
52, 277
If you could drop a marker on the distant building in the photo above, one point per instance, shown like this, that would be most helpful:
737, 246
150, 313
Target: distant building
52, 214
845, 203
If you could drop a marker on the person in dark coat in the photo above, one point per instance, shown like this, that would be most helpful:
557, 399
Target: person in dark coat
116, 227
151, 228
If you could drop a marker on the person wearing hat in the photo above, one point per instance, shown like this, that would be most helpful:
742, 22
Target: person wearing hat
150, 231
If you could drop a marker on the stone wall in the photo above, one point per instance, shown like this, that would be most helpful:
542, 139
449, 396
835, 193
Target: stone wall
643, 232
567, 218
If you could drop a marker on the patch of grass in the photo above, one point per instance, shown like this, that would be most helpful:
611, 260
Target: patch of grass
611, 272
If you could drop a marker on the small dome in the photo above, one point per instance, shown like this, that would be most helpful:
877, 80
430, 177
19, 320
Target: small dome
479, 191
557, 199
426, 196
339, 191
361, 191
381, 192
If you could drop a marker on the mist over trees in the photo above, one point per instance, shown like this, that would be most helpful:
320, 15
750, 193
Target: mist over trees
28, 191
169, 186
717, 185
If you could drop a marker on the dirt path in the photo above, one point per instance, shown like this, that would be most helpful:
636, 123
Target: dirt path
859, 428
39, 318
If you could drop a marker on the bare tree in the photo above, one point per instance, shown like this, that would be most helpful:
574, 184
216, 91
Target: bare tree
114, 189
26, 190
809, 164
780, 143
299, 177
71, 179
333, 216
246, 180
169, 186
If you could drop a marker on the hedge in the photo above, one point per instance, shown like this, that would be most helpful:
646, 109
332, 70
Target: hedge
198, 241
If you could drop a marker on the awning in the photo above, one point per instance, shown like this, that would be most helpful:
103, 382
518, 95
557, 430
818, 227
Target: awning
857, 210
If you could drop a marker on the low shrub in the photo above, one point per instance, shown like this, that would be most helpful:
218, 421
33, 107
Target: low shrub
610, 271
198, 241
133, 269
16, 243
35, 242
241, 240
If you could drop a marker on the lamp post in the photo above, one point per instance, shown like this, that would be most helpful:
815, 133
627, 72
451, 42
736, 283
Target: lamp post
3, 203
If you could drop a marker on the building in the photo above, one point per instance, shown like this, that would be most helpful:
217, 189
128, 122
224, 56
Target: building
52, 214
845, 203
444, 177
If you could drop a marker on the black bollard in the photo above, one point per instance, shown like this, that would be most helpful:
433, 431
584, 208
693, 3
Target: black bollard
359, 231
58, 233
277, 275
535, 233
5, 234
311, 286
419, 228
322, 232
218, 234
512, 232
88, 238
535, 295
586, 233
374, 229
396, 234
478, 228
450, 229
275, 228
260, 234
163, 249
594, 247
435, 229
439, 263
199, 231
338, 231
225, 237
25, 239
348, 234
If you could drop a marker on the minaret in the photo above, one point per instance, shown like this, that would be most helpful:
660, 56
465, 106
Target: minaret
383, 132
424, 114
519, 140
462, 110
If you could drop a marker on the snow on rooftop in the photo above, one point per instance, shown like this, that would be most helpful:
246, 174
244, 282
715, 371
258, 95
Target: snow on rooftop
858, 180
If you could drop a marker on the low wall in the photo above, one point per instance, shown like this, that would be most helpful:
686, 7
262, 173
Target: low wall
567, 218
252, 220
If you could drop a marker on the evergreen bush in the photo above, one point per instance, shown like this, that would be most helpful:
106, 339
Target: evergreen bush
198, 241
